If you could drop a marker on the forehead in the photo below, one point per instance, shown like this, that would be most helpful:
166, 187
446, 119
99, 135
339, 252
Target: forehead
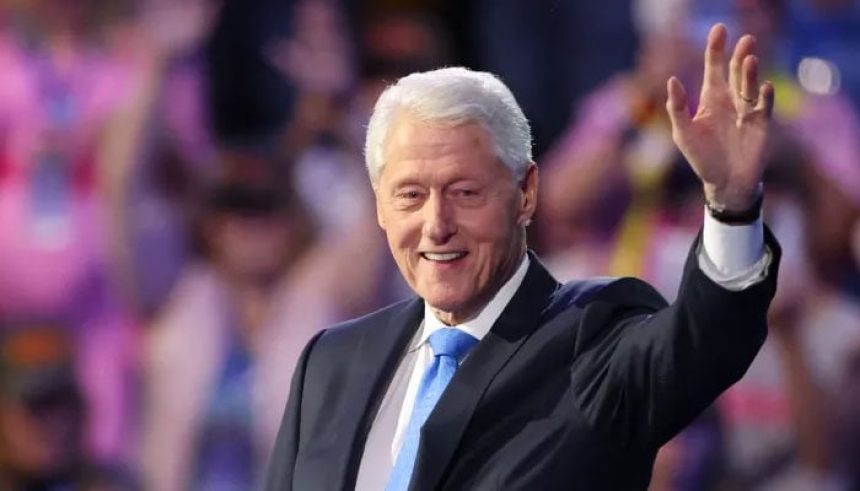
416, 146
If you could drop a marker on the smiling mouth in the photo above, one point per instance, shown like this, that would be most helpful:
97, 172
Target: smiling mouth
443, 257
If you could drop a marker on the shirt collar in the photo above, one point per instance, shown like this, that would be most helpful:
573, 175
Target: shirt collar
483, 322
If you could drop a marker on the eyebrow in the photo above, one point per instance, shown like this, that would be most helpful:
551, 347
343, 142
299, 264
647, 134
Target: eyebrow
405, 182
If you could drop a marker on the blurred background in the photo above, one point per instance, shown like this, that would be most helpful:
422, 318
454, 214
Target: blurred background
183, 204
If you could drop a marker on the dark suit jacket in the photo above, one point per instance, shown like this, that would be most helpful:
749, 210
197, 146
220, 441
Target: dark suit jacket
575, 387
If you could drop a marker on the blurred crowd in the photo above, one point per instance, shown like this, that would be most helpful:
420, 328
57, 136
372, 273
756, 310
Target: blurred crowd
183, 204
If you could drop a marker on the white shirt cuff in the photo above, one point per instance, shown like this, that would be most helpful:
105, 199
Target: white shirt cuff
733, 256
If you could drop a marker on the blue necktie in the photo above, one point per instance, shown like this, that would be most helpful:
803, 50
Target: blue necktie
449, 347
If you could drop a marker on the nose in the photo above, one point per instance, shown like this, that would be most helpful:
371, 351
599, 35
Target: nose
439, 220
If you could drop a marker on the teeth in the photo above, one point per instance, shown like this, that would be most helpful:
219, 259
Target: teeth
445, 256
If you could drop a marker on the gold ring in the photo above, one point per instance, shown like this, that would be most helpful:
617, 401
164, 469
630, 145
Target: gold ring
748, 100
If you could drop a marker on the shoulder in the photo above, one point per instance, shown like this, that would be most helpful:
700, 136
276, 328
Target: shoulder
626, 292
348, 334
631, 292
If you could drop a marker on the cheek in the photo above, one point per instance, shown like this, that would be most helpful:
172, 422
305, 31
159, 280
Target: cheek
407, 231
403, 235
492, 227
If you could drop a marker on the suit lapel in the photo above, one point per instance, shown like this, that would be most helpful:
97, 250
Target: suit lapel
442, 432
379, 353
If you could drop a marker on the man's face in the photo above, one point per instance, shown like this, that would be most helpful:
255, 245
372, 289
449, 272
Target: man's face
454, 214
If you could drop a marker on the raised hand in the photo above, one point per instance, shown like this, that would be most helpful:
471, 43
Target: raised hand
724, 141
172, 27
316, 56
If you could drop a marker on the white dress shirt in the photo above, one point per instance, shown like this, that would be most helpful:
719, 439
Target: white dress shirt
733, 256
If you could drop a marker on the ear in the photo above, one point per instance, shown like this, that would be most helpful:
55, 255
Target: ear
380, 219
528, 194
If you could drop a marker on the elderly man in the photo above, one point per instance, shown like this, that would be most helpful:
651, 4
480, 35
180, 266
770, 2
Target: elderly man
496, 376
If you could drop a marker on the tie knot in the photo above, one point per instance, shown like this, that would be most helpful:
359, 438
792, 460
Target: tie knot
451, 342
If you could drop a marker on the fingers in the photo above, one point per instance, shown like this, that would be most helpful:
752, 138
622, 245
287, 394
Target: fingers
743, 48
765, 100
743, 79
715, 57
749, 83
676, 107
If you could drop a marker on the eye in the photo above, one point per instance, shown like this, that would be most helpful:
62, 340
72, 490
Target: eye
467, 195
408, 198
408, 195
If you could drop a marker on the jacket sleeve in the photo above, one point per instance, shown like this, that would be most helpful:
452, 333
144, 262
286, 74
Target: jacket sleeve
651, 368
279, 476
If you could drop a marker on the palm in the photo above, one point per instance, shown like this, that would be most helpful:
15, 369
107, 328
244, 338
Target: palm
724, 141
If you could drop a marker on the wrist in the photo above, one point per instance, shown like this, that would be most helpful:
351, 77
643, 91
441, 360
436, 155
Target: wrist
741, 210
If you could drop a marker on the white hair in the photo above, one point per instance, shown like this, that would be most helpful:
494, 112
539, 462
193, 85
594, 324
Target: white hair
453, 95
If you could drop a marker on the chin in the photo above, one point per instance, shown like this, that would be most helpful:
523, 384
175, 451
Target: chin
444, 302
457, 303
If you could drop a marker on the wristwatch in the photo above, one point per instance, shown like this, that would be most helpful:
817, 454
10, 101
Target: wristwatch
743, 217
